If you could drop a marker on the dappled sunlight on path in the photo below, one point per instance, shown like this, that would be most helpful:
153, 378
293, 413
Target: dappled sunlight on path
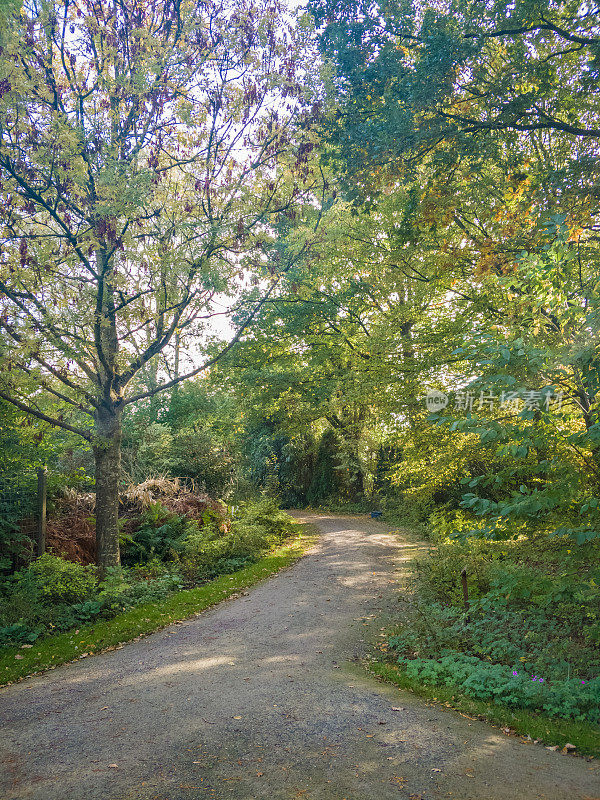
261, 697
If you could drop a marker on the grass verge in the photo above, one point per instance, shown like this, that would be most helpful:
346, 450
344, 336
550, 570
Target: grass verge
17, 663
549, 730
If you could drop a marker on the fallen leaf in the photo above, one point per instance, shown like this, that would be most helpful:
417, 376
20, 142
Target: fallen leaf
236, 717
114, 766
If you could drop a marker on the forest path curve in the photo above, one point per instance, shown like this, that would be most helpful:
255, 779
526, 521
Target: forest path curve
255, 698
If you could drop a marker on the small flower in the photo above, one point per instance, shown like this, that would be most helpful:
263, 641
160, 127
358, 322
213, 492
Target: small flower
515, 674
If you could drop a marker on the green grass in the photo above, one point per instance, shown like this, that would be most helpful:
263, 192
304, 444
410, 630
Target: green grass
145, 619
549, 730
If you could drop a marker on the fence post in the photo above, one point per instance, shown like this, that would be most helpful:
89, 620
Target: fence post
465, 587
40, 543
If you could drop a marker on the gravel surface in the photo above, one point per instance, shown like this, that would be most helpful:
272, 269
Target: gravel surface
261, 697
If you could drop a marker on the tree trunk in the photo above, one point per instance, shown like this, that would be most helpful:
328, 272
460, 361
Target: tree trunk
107, 453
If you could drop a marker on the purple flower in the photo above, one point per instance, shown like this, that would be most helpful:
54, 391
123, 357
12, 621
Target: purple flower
515, 674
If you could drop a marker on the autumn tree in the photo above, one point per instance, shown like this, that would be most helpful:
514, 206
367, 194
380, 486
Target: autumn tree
140, 144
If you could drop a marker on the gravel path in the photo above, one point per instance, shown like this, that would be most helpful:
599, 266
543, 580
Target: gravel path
259, 698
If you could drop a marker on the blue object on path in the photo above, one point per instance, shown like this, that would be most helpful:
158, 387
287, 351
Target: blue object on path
376, 514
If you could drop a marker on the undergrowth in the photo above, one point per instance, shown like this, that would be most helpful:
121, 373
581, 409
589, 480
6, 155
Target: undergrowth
529, 640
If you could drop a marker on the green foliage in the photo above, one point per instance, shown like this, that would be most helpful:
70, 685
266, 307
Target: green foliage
534, 613
148, 451
532, 724
193, 435
166, 552
118, 591
216, 547
160, 535
55, 580
325, 480
568, 699
50, 594
143, 619
296, 470
396, 67
439, 571
266, 514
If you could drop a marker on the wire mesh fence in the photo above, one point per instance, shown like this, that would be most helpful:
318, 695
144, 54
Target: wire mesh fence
22, 517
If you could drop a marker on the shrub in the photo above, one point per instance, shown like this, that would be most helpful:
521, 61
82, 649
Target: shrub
56, 580
53, 594
266, 515
206, 548
19, 633
216, 547
117, 594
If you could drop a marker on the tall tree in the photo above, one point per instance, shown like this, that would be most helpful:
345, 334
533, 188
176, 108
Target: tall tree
139, 150
412, 76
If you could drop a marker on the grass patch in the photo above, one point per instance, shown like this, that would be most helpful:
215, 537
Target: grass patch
550, 731
17, 663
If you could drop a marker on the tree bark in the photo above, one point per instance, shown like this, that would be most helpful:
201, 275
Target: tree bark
107, 454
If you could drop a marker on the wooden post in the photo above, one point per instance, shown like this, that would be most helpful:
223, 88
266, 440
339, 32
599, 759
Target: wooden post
40, 543
465, 588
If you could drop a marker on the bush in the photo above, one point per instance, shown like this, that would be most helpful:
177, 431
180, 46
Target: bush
56, 580
19, 633
216, 547
266, 515
207, 548
534, 611
118, 593
439, 571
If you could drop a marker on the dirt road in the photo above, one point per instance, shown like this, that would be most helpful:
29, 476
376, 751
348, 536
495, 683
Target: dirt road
261, 698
